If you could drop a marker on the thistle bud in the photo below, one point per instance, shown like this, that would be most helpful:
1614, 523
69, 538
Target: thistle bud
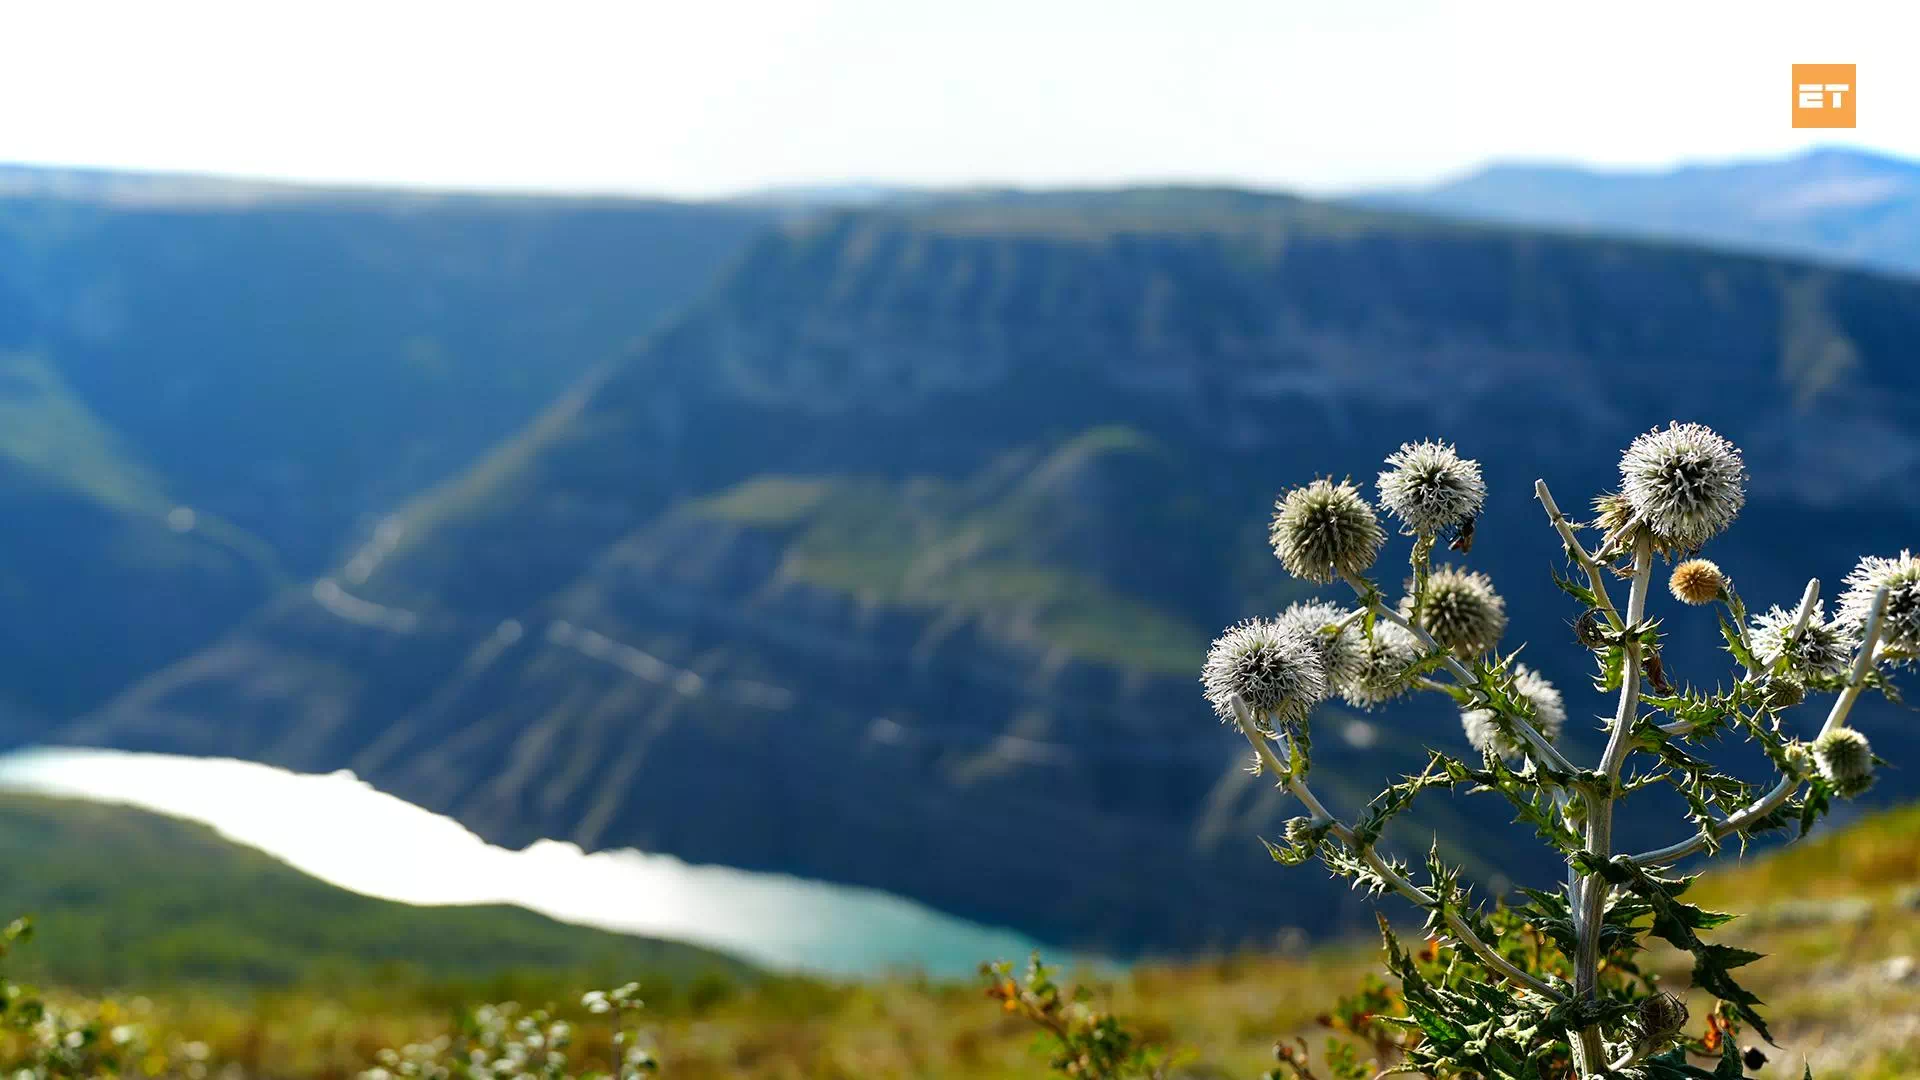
1431, 488
1784, 692
1900, 623
1685, 482
1844, 760
1325, 530
1799, 760
1662, 1016
1696, 582
1460, 610
1276, 670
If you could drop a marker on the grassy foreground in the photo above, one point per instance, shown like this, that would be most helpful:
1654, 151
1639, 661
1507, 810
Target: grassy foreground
1834, 981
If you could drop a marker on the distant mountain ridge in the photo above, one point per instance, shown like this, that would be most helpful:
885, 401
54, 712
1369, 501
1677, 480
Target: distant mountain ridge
892, 560
210, 389
1838, 205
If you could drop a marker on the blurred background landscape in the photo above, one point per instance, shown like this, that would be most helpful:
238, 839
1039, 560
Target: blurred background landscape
821, 569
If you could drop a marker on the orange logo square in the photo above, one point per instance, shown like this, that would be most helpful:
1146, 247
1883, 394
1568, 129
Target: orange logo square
1823, 95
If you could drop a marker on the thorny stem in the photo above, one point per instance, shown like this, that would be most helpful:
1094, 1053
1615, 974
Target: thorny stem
1596, 574
1768, 803
1542, 751
1589, 1047
1340, 831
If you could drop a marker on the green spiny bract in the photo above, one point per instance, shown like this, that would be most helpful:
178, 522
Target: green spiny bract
1574, 1002
1549, 715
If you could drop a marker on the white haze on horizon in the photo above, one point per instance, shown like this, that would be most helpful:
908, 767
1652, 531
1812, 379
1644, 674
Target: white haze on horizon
730, 96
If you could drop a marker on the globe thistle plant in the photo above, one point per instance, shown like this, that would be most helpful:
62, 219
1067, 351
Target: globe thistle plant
1277, 670
1900, 577
1577, 994
1549, 716
1325, 530
1460, 609
1844, 760
1696, 582
1684, 482
1819, 651
1431, 488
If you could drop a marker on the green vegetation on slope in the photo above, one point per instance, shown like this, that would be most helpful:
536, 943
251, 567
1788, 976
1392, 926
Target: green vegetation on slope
126, 898
966, 552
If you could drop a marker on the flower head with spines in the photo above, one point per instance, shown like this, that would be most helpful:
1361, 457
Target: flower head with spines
1277, 670
1696, 582
1325, 530
1845, 759
1431, 488
1821, 651
1383, 672
1549, 715
1460, 609
1684, 482
1332, 629
1900, 623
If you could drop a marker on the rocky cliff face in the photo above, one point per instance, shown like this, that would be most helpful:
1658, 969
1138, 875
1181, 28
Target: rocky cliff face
893, 560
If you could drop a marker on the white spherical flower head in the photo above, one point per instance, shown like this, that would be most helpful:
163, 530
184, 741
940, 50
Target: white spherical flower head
1900, 625
1549, 715
1431, 488
1845, 760
1461, 610
1382, 674
1324, 530
1276, 670
1342, 654
1823, 650
1685, 482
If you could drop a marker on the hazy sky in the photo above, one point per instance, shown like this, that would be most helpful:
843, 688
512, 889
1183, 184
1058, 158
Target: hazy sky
714, 96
